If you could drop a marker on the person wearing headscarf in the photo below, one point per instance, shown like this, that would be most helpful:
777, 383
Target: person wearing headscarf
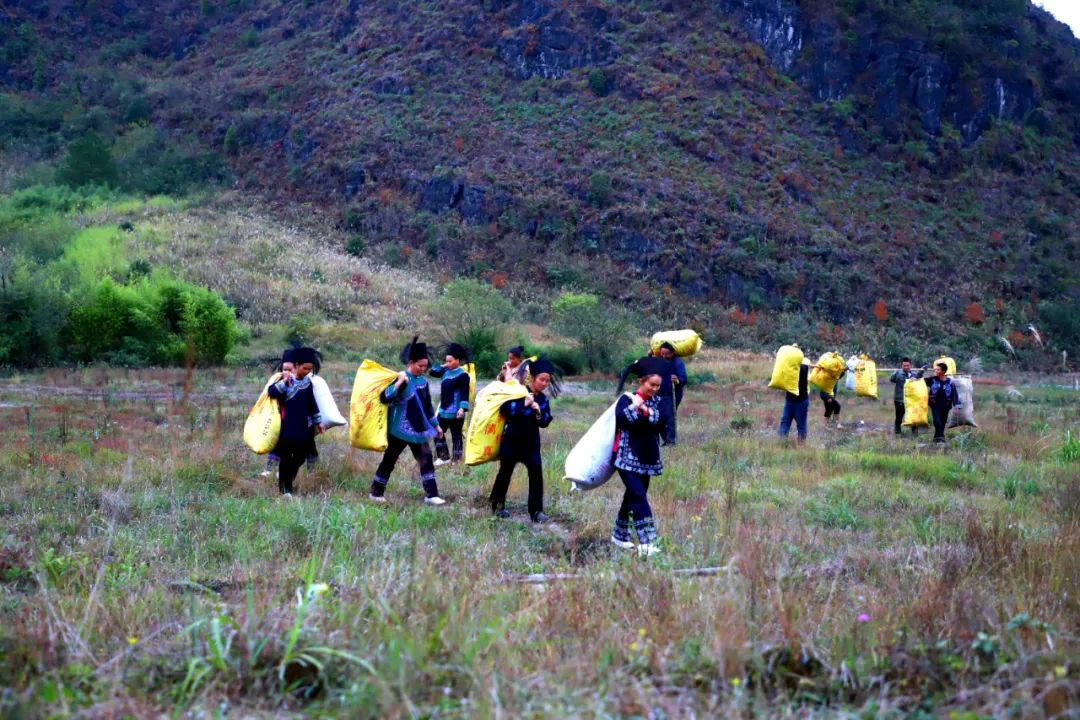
513, 369
636, 452
453, 402
671, 393
272, 458
411, 424
299, 416
521, 439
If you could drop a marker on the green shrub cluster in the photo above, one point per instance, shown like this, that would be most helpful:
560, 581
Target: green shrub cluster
72, 295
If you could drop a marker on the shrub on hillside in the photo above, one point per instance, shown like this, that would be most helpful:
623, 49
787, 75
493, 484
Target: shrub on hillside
603, 333
89, 162
474, 314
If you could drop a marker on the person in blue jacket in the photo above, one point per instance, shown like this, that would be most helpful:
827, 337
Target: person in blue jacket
943, 397
299, 417
453, 402
636, 453
671, 392
411, 424
521, 439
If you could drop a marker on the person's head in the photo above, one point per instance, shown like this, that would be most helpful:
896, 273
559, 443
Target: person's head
286, 364
649, 371
905, 364
455, 355
543, 374
287, 367
667, 351
415, 356
305, 362
941, 370
514, 355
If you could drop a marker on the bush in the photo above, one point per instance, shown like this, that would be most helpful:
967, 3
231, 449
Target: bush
600, 189
89, 162
569, 360
474, 314
601, 81
603, 334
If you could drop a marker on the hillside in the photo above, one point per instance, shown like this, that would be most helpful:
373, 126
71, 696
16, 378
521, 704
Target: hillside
856, 172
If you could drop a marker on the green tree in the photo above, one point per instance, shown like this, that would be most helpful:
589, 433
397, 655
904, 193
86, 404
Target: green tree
88, 162
474, 314
603, 333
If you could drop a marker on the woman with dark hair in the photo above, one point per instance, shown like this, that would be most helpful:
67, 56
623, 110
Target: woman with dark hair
453, 402
272, 458
512, 369
638, 424
521, 439
300, 416
411, 424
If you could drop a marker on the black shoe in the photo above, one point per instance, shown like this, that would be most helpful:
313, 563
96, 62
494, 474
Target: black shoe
501, 512
541, 517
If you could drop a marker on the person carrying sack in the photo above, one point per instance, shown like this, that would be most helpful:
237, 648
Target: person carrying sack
300, 417
898, 379
671, 394
832, 405
453, 402
636, 452
411, 424
943, 396
796, 406
521, 440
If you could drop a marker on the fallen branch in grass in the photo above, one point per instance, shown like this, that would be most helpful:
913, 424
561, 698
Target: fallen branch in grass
541, 578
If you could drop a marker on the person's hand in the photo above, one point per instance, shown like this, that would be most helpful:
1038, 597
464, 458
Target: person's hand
439, 433
288, 377
636, 400
675, 379
401, 378
529, 400
460, 414
320, 429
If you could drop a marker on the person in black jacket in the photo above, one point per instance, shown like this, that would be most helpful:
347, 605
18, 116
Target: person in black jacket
299, 415
671, 392
832, 405
636, 455
411, 423
453, 402
898, 379
943, 396
521, 440
797, 406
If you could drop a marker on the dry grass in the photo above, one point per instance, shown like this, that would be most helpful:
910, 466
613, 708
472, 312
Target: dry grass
146, 568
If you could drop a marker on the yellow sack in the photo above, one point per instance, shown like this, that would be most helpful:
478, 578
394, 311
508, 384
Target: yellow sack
685, 342
827, 372
470, 368
263, 425
486, 429
785, 372
866, 377
916, 403
367, 414
948, 362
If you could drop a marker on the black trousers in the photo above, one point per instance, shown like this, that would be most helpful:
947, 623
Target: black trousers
900, 407
292, 457
832, 407
421, 451
636, 496
507, 464
940, 411
454, 428
667, 420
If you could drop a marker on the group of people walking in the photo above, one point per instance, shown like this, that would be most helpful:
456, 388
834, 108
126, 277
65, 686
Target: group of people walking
645, 420
943, 397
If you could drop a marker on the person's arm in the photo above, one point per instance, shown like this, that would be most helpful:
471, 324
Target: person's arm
390, 394
281, 388
545, 414
314, 416
896, 377
515, 408
680, 371
437, 372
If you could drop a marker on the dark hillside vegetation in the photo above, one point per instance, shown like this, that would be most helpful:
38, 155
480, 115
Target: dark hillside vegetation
893, 175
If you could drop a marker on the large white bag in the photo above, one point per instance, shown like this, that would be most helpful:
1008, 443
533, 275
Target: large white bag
965, 414
849, 379
589, 464
328, 409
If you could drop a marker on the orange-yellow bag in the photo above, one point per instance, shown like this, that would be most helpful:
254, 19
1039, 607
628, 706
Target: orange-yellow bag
368, 416
916, 403
486, 428
827, 372
263, 425
686, 342
785, 374
866, 377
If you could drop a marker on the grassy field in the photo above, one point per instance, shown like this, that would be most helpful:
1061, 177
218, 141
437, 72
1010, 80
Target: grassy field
145, 567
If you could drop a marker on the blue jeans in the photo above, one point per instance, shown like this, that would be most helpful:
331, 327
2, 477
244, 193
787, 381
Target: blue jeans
794, 410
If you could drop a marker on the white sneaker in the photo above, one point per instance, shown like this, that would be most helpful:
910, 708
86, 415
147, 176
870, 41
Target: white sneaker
434, 501
265, 473
288, 495
624, 544
376, 498
647, 549
439, 463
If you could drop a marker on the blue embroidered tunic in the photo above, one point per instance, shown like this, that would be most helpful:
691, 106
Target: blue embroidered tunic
412, 418
454, 391
299, 412
637, 437
521, 437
